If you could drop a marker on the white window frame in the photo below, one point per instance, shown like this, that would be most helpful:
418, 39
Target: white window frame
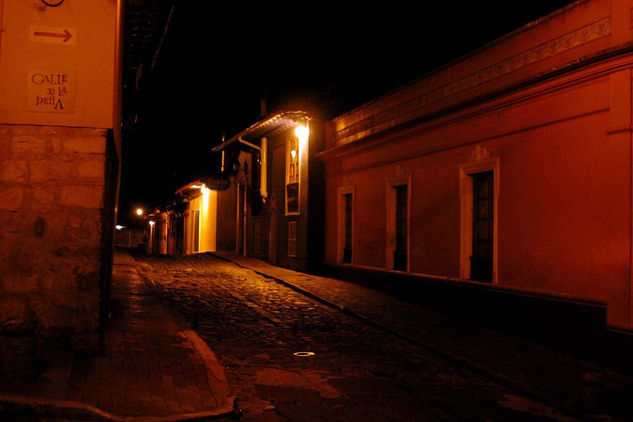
466, 171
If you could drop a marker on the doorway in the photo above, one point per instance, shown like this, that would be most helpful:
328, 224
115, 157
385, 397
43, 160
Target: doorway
483, 227
398, 205
240, 235
479, 216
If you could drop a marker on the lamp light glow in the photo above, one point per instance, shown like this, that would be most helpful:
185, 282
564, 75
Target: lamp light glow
139, 211
302, 133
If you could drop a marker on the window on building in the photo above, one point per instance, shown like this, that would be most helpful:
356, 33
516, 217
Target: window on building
292, 238
483, 223
347, 229
345, 224
256, 197
159, 231
397, 227
479, 191
401, 229
292, 176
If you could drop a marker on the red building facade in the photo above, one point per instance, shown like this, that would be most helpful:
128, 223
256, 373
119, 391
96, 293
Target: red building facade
510, 168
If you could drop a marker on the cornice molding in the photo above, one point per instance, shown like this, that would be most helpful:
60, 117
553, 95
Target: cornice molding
593, 69
411, 108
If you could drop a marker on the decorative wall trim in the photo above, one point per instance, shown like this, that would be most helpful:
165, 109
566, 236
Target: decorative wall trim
541, 52
478, 154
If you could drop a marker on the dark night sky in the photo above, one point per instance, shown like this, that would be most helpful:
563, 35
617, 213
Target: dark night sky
216, 64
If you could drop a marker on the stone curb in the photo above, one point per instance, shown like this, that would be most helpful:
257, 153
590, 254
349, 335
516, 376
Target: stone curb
72, 410
509, 383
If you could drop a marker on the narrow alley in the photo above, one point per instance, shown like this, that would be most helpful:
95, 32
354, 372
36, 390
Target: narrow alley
289, 357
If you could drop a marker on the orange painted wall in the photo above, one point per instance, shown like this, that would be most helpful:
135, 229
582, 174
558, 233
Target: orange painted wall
88, 58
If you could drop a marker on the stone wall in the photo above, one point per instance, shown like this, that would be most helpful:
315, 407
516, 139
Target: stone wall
52, 185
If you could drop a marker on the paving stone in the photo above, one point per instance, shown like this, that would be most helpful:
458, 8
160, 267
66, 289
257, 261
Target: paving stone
358, 372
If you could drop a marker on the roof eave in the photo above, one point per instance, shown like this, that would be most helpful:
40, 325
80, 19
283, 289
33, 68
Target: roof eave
262, 128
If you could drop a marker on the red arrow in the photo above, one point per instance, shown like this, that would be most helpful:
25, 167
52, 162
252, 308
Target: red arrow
66, 35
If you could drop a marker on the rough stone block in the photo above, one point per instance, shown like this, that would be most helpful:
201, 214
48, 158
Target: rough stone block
90, 229
17, 357
39, 227
58, 282
19, 283
8, 219
85, 144
69, 229
75, 223
13, 171
25, 130
91, 169
86, 342
57, 145
11, 223
44, 197
88, 282
31, 146
15, 314
48, 130
48, 170
89, 196
11, 199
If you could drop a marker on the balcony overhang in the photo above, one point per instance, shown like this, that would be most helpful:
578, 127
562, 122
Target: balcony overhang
248, 138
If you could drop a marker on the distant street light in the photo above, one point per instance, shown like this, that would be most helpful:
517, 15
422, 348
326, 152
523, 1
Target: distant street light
139, 211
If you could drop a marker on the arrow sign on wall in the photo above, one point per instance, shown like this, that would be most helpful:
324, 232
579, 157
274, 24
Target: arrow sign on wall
65, 35
53, 35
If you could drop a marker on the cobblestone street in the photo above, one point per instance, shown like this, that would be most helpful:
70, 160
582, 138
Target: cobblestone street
357, 372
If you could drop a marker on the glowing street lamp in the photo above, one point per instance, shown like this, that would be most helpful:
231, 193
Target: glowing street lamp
139, 211
302, 133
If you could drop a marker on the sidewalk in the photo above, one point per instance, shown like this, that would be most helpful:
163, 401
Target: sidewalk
536, 372
153, 368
